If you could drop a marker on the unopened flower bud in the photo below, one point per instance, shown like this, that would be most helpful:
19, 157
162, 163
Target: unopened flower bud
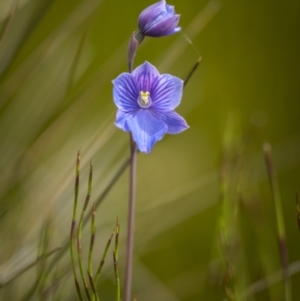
157, 20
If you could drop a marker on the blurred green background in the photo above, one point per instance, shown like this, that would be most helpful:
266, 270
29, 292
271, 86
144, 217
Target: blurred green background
205, 218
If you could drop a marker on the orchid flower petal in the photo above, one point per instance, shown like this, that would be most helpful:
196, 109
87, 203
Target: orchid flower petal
146, 130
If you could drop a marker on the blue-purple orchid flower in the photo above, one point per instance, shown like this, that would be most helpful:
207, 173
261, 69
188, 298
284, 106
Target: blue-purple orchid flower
146, 101
158, 20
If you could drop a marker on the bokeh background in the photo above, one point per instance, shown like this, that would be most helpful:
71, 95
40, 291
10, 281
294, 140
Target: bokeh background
205, 219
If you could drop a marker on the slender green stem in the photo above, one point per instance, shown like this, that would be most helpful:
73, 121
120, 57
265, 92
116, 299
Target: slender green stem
130, 229
92, 241
103, 258
79, 233
279, 219
73, 227
92, 282
93, 231
116, 263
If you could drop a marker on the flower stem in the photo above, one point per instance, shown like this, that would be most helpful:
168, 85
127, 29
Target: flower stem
73, 227
95, 294
132, 184
92, 242
279, 219
79, 233
103, 259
